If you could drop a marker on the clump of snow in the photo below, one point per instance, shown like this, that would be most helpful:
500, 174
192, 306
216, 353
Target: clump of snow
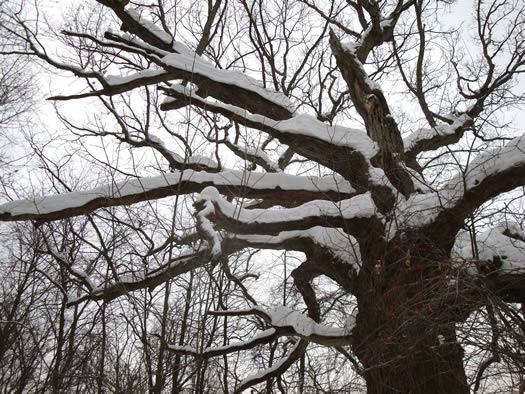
205, 226
82, 274
114, 80
493, 243
283, 316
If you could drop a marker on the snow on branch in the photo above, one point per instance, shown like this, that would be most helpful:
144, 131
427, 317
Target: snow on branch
353, 214
491, 173
172, 60
433, 138
228, 86
339, 244
282, 321
502, 245
351, 150
230, 183
298, 125
372, 106
297, 324
198, 67
263, 337
255, 156
194, 162
341, 255
134, 23
499, 259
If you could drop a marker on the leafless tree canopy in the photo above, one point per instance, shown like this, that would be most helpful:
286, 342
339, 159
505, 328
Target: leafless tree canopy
293, 196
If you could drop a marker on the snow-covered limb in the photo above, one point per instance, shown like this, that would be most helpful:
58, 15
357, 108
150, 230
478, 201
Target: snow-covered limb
113, 84
372, 106
298, 125
228, 86
437, 137
297, 324
263, 337
141, 27
351, 150
230, 183
339, 245
329, 252
224, 84
488, 175
174, 61
255, 156
176, 161
503, 245
288, 322
357, 215
328, 244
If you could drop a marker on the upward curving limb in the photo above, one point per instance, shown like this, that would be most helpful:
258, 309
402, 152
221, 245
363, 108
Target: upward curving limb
277, 369
295, 324
441, 135
490, 174
371, 104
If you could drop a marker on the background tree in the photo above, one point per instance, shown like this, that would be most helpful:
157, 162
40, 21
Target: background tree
363, 140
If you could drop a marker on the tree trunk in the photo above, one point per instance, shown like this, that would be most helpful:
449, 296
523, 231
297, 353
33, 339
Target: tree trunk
405, 331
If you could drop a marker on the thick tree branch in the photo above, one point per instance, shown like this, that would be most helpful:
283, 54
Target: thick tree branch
371, 104
133, 23
230, 183
357, 216
297, 324
350, 150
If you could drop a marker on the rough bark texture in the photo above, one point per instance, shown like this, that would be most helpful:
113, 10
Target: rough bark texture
405, 331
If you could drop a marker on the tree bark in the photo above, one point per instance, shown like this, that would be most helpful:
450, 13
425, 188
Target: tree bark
405, 331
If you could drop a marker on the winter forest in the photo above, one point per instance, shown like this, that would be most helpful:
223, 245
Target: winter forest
293, 196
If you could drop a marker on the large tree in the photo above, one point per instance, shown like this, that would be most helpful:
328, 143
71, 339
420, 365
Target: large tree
369, 136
